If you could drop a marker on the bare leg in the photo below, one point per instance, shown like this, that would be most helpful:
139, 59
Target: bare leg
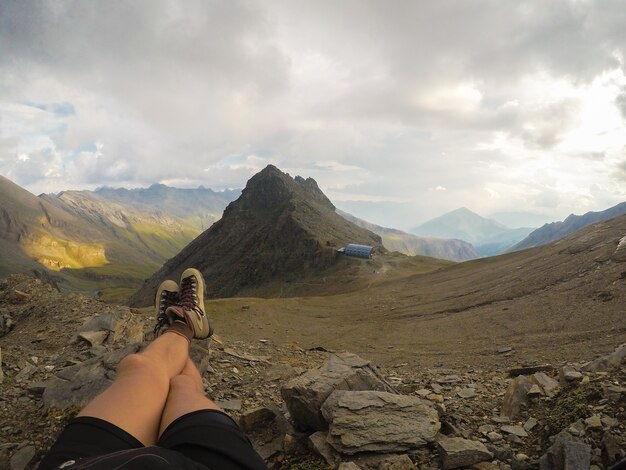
186, 395
135, 400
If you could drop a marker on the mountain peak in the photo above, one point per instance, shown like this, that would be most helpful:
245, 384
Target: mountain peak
271, 189
280, 227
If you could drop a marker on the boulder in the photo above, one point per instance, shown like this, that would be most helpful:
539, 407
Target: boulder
372, 421
457, 452
566, 454
516, 396
304, 395
608, 362
75, 386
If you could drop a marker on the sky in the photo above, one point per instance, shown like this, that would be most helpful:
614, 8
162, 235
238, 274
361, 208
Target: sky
400, 110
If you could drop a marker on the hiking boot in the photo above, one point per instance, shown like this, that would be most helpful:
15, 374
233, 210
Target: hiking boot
167, 295
191, 306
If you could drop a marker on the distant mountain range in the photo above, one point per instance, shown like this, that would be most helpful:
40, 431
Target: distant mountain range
408, 244
557, 230
108, 237
487, 236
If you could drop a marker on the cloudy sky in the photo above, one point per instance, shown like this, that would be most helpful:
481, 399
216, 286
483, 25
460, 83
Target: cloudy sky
401, 110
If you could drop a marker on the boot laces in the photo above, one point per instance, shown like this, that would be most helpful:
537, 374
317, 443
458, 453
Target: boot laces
189, 296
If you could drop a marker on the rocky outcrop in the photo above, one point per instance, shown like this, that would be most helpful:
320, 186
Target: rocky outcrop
305, 395
370, 421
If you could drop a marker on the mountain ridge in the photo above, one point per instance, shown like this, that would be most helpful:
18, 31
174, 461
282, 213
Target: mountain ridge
556, 230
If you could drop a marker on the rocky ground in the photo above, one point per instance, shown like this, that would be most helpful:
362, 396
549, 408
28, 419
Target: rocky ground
313, 408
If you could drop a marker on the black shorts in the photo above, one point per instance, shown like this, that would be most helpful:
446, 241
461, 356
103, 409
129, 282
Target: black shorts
199, 440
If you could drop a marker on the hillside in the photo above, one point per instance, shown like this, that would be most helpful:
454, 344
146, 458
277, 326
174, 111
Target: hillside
108, 240
556, 230
564, 300
487, 236
411, 245
280, 228
37, 235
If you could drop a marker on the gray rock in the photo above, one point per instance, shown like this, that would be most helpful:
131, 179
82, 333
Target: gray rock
608, 362
568, 374
494, 436
373, 421
397, 462
230, 405
449, 379
94, 338
457, 452
594, 422
21, 459
266, 428
75, 386
516, 430
530, 424
516, 396
319, 444
304, 395
566, 454
467, 393
549, 386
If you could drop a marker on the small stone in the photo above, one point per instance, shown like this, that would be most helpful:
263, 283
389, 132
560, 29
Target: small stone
485, 428
319, 444
535, 391
609, 422
504, 349
229, 405
348, 466
521, 457
435, 397
500, 420
494, 436
577, 428
466, 393
449, 379
548, 384
568, 374
422, 392
594, 422
516, 430
530, 424
21, 459
457, 452
93, 338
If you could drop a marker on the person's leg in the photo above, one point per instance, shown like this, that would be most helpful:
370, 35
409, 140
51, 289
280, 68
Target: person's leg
186, 394
135, 400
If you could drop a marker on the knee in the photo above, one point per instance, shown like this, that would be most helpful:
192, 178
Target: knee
186, 383
138, 363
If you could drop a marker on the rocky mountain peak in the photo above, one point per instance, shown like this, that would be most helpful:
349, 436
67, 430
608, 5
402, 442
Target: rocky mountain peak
271, 190
279, 227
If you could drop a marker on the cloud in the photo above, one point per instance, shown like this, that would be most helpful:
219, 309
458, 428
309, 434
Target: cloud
379, 101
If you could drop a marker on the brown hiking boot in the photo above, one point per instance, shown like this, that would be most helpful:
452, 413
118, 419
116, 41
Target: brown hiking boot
191, 307
167, 295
